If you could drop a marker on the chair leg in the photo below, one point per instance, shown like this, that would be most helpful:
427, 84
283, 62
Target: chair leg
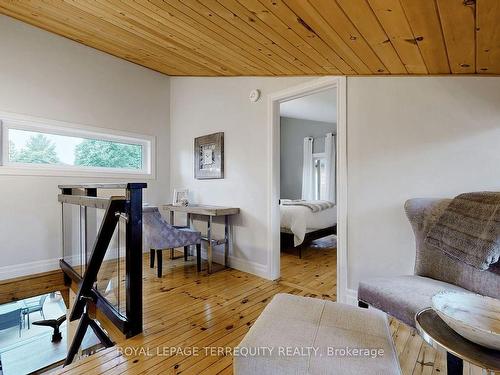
198, 257
160, 262
186, 250
454, 364
151, 258
172, 253
362, 304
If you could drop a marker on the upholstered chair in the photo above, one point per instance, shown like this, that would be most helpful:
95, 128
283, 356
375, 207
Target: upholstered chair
403, 296
159, 235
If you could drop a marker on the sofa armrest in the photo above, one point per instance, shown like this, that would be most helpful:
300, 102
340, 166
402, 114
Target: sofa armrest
432, 263
423, 212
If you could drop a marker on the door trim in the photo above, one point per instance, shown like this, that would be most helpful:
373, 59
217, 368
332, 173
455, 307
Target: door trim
274, 100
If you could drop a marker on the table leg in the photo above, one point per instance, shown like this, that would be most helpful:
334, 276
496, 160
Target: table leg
198, 257
209, 246
226, 241
454, 364
188, 224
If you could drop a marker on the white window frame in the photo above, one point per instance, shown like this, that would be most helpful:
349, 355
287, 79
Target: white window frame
318, 156
21, 122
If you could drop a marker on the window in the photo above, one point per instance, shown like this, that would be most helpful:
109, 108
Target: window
319, 161
43, 146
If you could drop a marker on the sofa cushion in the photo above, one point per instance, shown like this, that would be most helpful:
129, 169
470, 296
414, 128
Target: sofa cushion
402, 296
297, 323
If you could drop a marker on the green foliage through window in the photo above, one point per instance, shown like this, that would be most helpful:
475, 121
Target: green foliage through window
38, 150
29, 147
108, 154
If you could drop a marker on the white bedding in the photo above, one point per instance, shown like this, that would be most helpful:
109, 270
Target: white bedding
299, 220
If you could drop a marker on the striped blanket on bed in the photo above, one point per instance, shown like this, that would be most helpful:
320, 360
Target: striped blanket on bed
314, 206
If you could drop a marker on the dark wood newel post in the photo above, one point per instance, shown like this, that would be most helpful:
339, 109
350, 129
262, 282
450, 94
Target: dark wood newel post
134, 259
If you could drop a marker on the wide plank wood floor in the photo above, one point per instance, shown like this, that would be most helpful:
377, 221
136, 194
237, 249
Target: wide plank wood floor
192, 311
316, 272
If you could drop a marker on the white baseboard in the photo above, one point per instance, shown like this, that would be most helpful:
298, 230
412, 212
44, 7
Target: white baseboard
239, 263
351, 297
39, 266
249, 267
24, 269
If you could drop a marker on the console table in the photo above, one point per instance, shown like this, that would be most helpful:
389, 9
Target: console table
209, 212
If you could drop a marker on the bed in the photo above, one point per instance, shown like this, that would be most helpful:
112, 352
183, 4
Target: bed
300, 225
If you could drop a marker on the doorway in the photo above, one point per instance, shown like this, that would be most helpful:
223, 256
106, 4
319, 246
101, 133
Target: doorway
307, 189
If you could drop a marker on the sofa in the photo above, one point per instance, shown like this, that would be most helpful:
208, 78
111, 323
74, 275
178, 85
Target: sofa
403, 296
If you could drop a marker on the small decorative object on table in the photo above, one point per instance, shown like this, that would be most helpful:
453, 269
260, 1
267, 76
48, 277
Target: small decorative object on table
209, 156
180, 197
473, 316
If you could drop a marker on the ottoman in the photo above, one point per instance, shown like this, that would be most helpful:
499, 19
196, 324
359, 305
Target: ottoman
301, 335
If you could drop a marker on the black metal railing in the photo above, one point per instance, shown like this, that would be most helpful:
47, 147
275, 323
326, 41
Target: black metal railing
102, 254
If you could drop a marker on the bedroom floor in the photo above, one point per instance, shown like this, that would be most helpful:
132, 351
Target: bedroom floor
316, 271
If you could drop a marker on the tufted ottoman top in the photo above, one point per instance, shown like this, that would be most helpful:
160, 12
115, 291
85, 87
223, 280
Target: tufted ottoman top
301, 335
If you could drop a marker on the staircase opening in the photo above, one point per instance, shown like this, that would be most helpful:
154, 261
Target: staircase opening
33, 334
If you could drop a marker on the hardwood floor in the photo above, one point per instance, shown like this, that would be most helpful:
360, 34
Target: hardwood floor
316, 272
187, 311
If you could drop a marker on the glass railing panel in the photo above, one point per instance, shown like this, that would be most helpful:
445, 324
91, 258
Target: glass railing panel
93, 220
72, 237
84, 210
111, 276
108, 278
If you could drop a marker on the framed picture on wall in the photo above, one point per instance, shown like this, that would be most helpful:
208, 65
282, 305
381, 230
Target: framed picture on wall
209, 156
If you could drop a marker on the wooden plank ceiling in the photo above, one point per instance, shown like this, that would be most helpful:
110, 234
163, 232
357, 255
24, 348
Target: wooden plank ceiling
280, 37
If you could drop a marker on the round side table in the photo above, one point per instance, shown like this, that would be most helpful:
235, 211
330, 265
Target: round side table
440, 336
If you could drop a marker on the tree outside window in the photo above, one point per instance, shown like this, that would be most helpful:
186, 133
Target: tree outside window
40, 149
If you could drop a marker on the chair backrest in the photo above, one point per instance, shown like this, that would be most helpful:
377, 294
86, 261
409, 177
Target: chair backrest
151, 216
10, 319
155, 229
431, 262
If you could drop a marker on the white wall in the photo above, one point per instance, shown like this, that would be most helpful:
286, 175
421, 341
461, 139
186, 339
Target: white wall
407, 137
413, 137
48, 76
202, 106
